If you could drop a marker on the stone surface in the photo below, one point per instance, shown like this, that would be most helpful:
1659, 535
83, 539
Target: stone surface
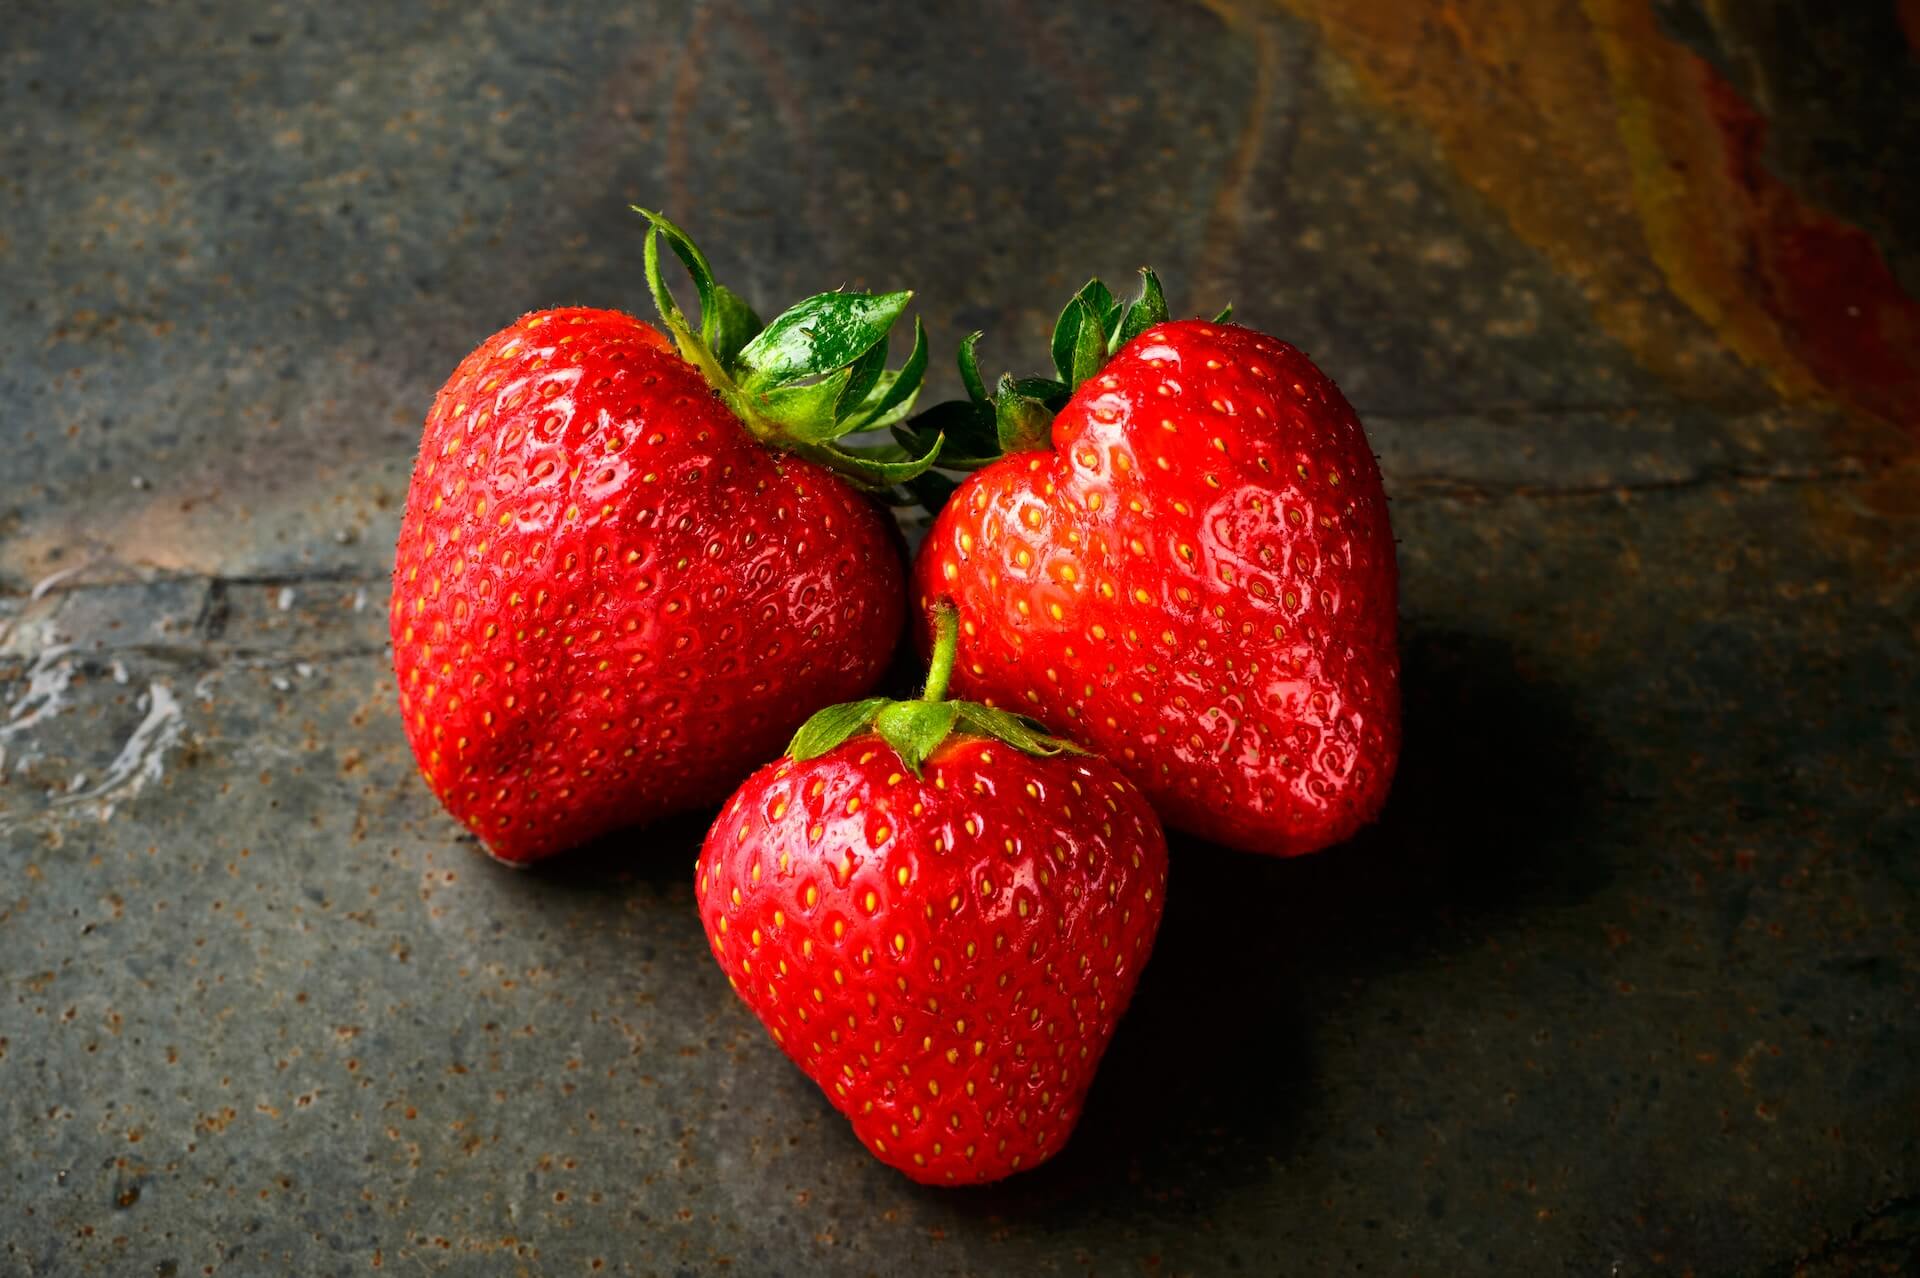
1624, 983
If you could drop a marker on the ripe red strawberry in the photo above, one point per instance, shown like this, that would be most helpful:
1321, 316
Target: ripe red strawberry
1189, 569
940, 915
625, 576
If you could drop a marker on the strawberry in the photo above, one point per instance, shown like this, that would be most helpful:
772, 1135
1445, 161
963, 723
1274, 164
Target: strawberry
940, 914
626, 574
1187, 567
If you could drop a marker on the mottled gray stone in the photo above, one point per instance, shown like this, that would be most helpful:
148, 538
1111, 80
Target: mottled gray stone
1623, 983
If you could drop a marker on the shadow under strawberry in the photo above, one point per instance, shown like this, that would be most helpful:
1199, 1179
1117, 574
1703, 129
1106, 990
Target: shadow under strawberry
654, 856
1212, 1075
663, 853
1497, 777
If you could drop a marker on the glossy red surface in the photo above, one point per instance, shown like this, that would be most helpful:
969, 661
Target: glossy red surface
610, 602
1199, 583
947, 957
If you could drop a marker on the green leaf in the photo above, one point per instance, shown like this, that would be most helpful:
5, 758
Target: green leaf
1093, 306
1016, 730
1049, 392
880, 419
968, 427
727, 324
805, 413
818, 372
892, 396
970, 368
930, 490
954, 458
1099, 302
875, 467
862, 375
1089, 350
914, 728
726, 321
663, 302
688, 252
951, 456
1022, 423
1105, 305
1226, 313
949, 415
910, 436
818, 335
1066, 335
831, 726
1141, 314
1106, 308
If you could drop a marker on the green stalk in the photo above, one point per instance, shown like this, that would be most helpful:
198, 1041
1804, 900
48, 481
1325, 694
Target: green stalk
804, 380
946, 642
915, 728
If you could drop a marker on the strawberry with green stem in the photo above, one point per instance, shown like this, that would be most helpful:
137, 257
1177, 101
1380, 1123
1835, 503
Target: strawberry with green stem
624, 575
1179, 554
940, 914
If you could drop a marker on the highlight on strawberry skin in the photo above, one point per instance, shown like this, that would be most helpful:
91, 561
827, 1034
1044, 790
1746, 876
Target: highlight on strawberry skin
631, 564
939, 913
1177, 551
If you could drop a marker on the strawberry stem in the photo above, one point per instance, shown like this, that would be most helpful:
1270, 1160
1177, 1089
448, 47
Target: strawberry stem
914, 728
1017, 416
946, 641
811, 375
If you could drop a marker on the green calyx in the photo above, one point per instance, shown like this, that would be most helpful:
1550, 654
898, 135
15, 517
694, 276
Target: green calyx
915, 728
813, 374
1018, 415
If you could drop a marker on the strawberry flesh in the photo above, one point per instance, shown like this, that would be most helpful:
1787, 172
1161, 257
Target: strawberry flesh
947, 954
1198, 582
610, 602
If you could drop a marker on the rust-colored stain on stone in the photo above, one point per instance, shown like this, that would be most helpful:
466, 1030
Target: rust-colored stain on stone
1907, 13
1824, 283
1643, 889
1641, 175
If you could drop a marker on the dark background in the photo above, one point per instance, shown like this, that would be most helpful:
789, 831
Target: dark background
1623, 984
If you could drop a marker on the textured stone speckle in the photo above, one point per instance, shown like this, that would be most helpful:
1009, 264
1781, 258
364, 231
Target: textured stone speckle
1623, 983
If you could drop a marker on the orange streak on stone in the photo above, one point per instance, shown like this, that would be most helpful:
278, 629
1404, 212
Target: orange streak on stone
1825, 281
1614, 151
1225, 222
1693, 215
1907, 12
1520, 99
1793, 290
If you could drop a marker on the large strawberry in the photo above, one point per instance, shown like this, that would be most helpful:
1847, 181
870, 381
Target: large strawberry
1189, 568
940, 915
625, 575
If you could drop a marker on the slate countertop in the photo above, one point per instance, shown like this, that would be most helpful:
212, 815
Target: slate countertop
1624, 983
